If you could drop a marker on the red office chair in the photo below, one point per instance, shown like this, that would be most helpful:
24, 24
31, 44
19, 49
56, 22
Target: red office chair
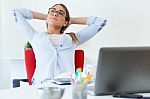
31, 62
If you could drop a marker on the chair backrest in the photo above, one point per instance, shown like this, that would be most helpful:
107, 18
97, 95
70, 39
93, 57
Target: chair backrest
79, 59
30, 62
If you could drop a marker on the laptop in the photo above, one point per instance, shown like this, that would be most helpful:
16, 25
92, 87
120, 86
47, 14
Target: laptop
123, 70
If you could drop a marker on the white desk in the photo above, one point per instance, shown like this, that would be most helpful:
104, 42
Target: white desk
31, 93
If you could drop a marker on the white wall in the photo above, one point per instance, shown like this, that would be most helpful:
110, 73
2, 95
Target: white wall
128, 23
1, 76
0, 29
4, 62
0, 50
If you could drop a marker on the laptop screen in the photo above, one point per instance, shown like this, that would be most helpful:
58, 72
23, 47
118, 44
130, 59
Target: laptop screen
123, 70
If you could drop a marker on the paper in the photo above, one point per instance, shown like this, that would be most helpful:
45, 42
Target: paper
62, 81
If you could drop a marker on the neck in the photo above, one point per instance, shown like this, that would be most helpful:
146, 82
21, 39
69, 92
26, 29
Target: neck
52, 30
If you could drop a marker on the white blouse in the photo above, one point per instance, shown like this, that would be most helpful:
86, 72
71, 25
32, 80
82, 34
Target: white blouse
56, 39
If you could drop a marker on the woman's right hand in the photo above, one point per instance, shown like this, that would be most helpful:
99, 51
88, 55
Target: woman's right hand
37, 15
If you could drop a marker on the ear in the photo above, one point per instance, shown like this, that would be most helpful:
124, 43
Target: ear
66, 23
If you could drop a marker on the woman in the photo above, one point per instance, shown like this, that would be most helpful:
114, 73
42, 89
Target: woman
54, 49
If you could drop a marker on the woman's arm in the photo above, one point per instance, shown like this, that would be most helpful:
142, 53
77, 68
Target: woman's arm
20, 17
94, 25
79, 20
37, 15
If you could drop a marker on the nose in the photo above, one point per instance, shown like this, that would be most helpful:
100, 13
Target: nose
55, 14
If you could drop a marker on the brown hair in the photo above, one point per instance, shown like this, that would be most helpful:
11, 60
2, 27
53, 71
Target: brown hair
67, 17
74, 38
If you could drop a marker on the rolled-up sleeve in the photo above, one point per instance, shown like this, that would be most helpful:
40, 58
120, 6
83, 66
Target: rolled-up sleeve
94, 25
20, 17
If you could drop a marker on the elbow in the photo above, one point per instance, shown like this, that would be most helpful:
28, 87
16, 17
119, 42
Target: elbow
14, 14
100, 26
104, 23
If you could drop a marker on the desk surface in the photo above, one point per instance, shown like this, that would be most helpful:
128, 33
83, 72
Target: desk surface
31, 93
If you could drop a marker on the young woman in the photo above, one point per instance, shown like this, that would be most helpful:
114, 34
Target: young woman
54, 49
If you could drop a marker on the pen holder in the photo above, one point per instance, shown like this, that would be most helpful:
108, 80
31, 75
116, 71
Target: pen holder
79, 91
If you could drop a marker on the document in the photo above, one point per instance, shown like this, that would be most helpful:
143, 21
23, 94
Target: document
62, 79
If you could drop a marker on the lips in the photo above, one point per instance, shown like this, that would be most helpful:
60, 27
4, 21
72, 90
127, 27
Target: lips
53, 18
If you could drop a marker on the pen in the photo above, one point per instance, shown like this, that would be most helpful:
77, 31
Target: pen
88, 78
128, 96
71, 78
79, 75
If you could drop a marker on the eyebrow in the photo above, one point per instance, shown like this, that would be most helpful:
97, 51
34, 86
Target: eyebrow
62, 11
59, 10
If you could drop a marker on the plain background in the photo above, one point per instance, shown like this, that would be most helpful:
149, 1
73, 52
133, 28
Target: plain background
128, 25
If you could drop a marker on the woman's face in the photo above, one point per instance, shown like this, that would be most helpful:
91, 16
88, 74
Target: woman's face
56, 17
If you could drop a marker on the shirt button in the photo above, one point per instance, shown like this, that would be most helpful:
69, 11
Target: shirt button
60, 45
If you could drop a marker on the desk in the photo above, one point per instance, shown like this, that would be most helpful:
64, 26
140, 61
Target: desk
31, 93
